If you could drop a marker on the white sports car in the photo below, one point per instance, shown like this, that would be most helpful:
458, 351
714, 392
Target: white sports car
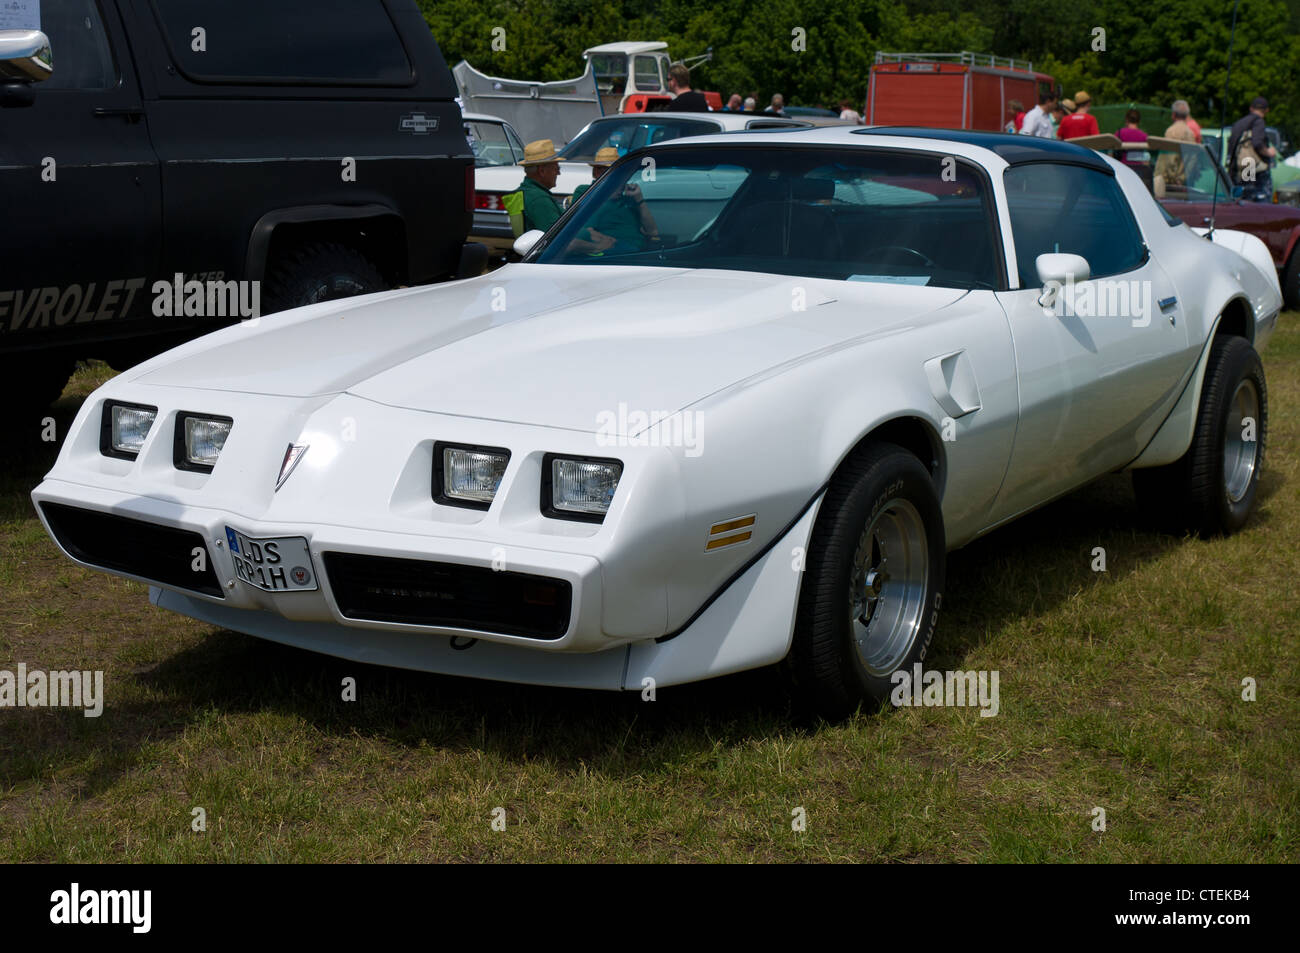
737, 424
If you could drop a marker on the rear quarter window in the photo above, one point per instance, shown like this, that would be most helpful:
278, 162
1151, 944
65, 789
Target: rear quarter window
285, 42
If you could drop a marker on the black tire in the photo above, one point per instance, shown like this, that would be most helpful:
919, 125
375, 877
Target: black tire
829, 673
319, 271
1195, 492
1291, 280
28, 385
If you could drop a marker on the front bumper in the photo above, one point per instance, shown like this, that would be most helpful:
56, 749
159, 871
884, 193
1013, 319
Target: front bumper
579, 574
750, 624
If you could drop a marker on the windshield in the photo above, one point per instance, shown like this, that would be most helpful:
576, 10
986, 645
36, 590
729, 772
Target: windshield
848, 214
1190, 175
628, 134
611, 72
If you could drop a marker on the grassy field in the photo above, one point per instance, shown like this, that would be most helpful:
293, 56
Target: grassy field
1119, 690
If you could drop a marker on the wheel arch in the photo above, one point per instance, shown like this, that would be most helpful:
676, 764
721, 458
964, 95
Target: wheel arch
333, 223
914, 434
1235, 318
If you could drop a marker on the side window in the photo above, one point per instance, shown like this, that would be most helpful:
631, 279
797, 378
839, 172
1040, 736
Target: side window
288, 42
1074, 210
646, 74
82, 59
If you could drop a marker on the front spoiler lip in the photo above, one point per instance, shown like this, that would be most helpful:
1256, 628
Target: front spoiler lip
582, 572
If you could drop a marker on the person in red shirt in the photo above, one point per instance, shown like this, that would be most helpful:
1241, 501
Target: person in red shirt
1080, 122
1016, 110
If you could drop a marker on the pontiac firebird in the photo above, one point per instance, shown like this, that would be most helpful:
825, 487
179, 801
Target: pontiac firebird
883, 343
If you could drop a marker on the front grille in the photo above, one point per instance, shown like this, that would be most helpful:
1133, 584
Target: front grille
421, 592
122, 544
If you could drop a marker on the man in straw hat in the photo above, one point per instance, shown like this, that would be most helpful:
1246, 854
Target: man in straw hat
1081, 122
624, 223
541, 169
605, 157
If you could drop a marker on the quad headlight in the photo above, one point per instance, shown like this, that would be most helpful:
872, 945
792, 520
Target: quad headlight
199, 441
468, 476
579, 488
124, 427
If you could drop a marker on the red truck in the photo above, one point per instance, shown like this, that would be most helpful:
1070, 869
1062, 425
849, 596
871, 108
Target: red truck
951, 90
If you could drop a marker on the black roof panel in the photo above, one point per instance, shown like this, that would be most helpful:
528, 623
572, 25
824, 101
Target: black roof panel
1015, 149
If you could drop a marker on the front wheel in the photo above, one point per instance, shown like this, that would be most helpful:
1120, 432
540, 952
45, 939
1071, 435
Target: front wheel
873, 582
319, 271
1211, 488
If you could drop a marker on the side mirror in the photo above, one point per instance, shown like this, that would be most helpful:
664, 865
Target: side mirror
525, 242
1238, 191
1058, 269
25, 55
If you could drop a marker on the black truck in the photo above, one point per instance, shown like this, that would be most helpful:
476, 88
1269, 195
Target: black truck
171, 166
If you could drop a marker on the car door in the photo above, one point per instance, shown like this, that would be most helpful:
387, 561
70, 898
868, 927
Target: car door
81, 192
1098, 364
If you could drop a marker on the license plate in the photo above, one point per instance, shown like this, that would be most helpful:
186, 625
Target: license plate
272, 564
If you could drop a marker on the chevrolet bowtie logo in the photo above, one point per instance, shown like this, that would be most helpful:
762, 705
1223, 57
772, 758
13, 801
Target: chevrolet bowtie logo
291, 458
418, 123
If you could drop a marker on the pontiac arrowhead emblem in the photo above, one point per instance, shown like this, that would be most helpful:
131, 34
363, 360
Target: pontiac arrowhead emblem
291, 457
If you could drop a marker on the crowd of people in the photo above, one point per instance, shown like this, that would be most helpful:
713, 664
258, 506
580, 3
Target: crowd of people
686, 99
1247, 156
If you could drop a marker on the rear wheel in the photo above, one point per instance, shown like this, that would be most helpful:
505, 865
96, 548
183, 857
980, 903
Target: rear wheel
1211, 488
872, 584
319, 271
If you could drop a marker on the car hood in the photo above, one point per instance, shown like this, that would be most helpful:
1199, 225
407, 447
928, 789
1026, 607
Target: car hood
551, 345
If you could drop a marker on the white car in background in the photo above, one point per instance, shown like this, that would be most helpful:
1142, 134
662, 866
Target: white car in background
624, 132
495, 145
748, 437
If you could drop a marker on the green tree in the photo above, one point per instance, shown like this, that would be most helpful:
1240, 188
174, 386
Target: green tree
1157, 51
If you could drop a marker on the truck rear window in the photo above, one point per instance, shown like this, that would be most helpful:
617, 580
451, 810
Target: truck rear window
285, 42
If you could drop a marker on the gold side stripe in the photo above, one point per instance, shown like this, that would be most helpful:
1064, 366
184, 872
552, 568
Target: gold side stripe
729, 525
726, 541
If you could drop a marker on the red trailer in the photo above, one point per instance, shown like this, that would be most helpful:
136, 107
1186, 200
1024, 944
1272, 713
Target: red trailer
950, 90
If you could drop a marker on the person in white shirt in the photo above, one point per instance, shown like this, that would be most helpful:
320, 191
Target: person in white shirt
1038, 121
